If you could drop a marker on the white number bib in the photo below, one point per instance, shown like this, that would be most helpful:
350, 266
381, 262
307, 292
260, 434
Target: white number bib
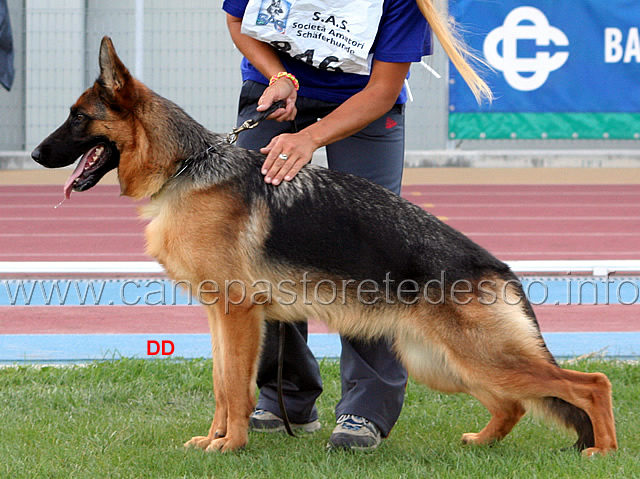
328, 34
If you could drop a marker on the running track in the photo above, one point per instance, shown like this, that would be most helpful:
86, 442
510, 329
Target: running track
514, 222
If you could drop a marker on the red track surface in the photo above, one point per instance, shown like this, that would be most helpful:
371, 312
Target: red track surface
192, 319
514, 222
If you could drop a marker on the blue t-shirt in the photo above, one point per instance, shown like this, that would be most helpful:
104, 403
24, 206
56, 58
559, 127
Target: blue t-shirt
403, 36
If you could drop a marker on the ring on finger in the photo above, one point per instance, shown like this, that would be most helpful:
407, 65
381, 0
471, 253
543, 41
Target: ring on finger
283, 156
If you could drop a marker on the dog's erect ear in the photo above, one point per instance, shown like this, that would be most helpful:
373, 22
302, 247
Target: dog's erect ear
113, 74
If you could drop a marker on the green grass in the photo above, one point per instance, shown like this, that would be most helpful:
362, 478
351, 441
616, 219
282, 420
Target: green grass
129, 418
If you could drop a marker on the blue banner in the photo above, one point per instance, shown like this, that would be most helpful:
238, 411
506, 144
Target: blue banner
558, 59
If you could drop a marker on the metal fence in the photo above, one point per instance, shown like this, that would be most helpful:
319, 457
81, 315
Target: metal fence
182, 50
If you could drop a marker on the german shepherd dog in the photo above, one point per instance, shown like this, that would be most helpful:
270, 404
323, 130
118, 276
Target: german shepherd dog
456, 316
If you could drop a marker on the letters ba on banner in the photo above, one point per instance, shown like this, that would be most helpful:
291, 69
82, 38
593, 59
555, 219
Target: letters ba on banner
560, 70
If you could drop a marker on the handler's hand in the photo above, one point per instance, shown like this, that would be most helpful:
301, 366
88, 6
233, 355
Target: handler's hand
283, 89
298, 149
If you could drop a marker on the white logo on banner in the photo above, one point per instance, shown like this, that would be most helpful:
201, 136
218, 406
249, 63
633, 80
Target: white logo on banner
536, 27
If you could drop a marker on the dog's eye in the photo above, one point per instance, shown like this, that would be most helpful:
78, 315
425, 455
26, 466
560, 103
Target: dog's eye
78, 118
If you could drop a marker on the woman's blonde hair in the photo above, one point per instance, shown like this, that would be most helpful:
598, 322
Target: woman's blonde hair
443, 26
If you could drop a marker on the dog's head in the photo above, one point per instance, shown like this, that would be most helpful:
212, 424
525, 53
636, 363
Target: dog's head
98, 128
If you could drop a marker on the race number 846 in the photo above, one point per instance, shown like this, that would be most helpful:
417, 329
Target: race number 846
307, 56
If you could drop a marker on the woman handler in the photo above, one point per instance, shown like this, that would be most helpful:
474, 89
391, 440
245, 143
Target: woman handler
340, 67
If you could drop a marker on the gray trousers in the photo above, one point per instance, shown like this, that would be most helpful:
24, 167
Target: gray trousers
373, 381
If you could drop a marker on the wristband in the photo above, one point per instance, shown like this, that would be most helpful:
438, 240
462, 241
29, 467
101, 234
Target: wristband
288, 75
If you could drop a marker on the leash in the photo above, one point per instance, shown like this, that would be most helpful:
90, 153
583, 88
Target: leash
230, 139
231, 136
254, 121
283, 409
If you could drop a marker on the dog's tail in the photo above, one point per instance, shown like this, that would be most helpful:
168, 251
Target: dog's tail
559, 410
569, 416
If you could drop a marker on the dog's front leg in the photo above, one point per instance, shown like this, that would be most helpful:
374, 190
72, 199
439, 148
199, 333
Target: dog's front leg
219, 425
236, 348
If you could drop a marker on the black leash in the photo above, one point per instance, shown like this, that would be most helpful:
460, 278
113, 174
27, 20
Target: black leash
231, 138
254, 121
283, 409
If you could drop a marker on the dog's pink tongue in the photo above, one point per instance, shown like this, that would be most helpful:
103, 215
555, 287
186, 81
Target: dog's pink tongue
68, 186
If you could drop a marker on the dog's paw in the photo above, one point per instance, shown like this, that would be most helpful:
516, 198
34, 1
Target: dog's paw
597, 451
470, 438
198, 442
475, 438
225, 444
214, 444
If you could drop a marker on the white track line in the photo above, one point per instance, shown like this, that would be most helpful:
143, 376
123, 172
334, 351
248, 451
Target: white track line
79, 267
571, 234
519, 194
82, 219
82, 235
596, 267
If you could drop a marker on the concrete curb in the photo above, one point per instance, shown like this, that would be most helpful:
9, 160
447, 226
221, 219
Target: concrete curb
523, 159
21, 160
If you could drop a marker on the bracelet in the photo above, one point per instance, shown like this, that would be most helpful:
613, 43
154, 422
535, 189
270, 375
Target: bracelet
288, 75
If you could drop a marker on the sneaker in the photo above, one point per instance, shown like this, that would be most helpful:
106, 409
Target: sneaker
265, 421
355, 433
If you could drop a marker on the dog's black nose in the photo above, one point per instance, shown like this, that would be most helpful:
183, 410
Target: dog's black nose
35, 154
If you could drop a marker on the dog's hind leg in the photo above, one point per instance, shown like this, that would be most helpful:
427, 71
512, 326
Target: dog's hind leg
433, 366
578, 391
236, 351
505, 414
